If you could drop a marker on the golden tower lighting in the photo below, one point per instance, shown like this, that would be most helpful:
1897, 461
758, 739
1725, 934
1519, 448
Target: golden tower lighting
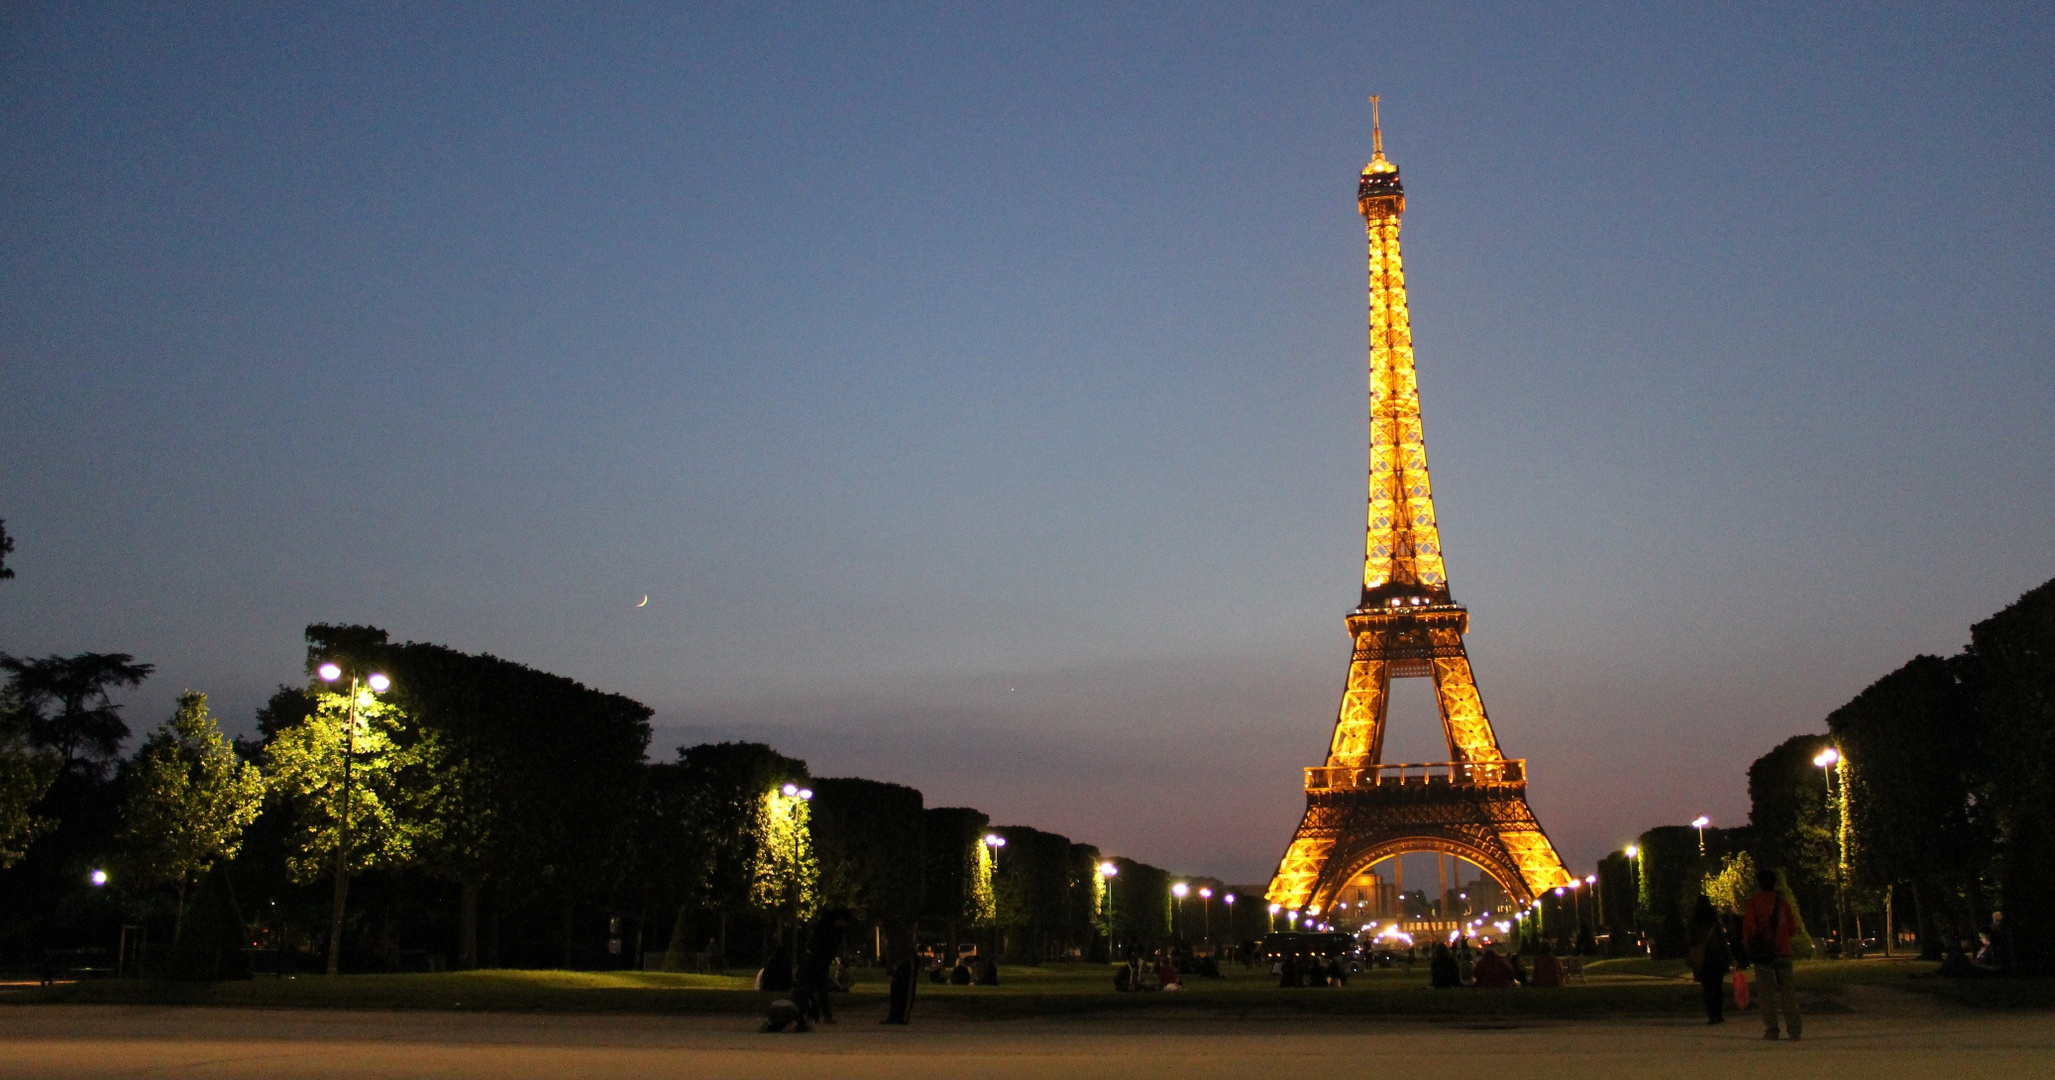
1360, 811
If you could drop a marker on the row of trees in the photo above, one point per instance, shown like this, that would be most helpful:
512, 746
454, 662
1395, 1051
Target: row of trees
1928, 805
480, 811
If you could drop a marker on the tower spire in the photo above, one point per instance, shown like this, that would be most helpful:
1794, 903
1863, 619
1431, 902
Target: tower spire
1376, 131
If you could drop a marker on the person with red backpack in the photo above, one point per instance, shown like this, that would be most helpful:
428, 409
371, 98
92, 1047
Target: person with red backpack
1766, 925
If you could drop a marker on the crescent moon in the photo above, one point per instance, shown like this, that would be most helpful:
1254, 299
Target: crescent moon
645, 600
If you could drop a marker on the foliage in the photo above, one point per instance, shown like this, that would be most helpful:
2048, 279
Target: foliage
1911, 757
1795, 820
394, 787
6, 549
724, 787
1732, 883
2013, 664
866, 834
784, 876
25, 776
60, 703
959, 881
189, 799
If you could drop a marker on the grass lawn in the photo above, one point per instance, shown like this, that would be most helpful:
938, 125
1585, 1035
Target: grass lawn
1614, 988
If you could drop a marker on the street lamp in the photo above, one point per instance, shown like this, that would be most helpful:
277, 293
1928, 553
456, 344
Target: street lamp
332, 672
1206, 910
1229, 901
1179, 890
1699, 823
1107, 872
1829, 761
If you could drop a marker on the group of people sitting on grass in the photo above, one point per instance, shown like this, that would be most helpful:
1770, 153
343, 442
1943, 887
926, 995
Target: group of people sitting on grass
1489, 970
1165, 969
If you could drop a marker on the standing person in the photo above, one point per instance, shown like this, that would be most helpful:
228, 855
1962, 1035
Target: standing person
816, 963
1710, 959
1766, 926
905, 980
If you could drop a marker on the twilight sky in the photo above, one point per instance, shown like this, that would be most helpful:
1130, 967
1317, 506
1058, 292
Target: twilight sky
977, 392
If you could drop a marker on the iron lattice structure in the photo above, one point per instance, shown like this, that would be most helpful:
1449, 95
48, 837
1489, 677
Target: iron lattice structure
1359, 811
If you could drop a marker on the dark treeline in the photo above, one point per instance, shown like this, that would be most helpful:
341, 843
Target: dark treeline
499, 816
1928, 804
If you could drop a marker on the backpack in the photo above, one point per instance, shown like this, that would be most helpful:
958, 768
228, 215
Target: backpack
1762, 945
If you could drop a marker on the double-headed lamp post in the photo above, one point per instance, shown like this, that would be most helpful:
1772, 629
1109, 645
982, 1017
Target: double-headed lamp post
1828, 761
332, 672
798, 795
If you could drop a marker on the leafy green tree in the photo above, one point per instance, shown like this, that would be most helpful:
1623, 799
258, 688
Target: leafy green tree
956, 871
719, 788
61, 703
25, 776
395, 786
784, 874
189, 801
1731, 884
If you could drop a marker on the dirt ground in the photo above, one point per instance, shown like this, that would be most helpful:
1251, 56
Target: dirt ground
1886, 1038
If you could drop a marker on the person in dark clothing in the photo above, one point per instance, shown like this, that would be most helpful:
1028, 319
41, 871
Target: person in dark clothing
1292, 975
1337, 975
988, 973
1710, 959
777, 971
816, 964
960, 974
1441, 971
904, 982
1492, 972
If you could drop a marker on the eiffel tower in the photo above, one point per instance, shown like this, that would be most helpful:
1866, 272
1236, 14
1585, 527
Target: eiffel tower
1360, 811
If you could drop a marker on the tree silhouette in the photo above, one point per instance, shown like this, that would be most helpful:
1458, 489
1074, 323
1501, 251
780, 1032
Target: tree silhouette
85, 728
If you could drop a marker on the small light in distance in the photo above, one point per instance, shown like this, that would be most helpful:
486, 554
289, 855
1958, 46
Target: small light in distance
98, 878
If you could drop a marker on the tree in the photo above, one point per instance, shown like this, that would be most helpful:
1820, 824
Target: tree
85, 728
6, 549
189, 801
721, 787
394, 811
1912, 750
866, 834
956, 871
1795, 821
784, 874
2012, 659
1731, 884
25, 776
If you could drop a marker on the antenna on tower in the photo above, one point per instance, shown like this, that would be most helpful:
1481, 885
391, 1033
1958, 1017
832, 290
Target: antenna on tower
1376, 130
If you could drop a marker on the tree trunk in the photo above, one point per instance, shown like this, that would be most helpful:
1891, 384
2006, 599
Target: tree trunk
570, 924
467, 926
178, 922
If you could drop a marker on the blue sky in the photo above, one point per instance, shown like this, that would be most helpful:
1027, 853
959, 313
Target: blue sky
977, 392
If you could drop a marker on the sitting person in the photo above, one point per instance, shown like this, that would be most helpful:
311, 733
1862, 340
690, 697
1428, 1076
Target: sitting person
1288, 974
1548, 971
1337, 975
988, 973
1124, 979
1441, 971
1491, 971
960, 974
1167, 977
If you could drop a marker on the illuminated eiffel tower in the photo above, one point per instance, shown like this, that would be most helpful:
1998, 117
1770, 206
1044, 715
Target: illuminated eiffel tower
1360, 811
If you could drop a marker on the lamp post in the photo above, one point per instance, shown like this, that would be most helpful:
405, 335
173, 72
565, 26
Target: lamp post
1206, 911
1107, 872
1228, 899
993, 842
1831, 762
332, 672
1274, 909
1700, 823
1179, 890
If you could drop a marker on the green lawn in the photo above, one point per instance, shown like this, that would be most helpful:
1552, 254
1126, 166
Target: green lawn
1614, 987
